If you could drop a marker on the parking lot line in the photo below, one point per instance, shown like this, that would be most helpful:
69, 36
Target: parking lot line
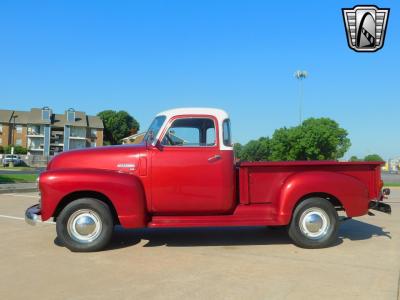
23, 219
21, 195
11, 217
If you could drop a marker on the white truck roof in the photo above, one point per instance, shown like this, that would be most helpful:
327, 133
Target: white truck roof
218, 113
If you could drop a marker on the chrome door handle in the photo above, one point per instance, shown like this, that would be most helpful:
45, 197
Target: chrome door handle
215, 157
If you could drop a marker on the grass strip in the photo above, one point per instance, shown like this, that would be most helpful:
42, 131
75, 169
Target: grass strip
17, 178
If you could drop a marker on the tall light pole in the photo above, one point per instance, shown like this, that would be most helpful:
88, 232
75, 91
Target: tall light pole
300, 75
13, 131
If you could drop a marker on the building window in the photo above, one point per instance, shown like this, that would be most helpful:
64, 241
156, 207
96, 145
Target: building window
35, 130
35, 143
71, 115
1, 128
18, 142
93, 132
18, 128
78, 132
77, 144
92, 144
46, 114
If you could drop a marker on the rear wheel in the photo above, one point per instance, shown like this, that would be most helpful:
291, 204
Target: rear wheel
314, 224
85, 225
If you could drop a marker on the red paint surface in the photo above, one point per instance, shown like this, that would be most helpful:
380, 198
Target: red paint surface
165, 186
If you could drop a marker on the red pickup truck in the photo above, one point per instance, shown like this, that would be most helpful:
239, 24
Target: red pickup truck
184, 175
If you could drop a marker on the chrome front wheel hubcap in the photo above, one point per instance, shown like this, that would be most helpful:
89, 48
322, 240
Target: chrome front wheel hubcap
84, 226
314, 223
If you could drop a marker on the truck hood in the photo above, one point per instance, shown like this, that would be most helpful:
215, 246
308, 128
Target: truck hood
123, 158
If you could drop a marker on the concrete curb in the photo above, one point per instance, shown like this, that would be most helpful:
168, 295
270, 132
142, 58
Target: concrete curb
18, 190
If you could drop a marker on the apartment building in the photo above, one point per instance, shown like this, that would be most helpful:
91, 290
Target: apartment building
44, 133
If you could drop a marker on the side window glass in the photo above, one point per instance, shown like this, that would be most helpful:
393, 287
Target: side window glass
190, 132
227, 133
210, 136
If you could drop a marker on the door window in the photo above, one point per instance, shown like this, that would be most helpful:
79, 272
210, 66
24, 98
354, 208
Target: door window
191, 132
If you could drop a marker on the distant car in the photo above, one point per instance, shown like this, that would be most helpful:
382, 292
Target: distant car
8, 158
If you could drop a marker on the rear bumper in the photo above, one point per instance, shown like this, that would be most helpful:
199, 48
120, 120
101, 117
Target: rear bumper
32, 214
380, 206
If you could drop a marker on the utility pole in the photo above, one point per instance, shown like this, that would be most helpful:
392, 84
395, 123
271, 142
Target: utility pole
300, 75
12, 141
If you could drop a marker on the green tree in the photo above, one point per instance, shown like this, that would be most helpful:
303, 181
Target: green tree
373, 157
20, 150
314, 139
237, 148
354, 158
117, 125
17, 150
256, 150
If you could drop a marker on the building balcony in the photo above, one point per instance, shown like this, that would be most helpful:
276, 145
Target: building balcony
35, 135
36, 149
57, 144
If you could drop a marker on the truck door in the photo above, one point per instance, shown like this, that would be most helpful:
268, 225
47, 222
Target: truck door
190, 174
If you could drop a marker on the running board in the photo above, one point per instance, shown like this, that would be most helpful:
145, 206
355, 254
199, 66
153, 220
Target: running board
244, 215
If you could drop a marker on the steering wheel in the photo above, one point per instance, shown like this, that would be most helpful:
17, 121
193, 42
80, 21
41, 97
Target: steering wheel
168, 139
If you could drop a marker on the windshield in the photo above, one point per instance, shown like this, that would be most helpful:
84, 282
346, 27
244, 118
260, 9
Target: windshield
155, 126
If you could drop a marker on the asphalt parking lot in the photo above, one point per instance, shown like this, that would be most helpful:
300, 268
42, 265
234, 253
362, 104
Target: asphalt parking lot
207, 263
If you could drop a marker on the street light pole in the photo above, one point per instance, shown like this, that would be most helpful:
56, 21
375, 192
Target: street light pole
12, 142
300, 75
13, 131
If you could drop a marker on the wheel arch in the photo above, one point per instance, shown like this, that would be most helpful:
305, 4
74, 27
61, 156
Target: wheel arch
123, 193
335, 201
67, 199
343, 191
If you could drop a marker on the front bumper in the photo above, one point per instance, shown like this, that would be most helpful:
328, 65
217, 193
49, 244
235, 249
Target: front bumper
32, 214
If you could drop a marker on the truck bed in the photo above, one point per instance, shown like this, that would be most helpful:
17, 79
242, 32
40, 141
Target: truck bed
262, 182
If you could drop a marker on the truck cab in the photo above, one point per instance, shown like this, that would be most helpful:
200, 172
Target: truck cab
184, 174
192, 162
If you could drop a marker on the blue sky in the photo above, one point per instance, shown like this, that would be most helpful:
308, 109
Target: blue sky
147, 56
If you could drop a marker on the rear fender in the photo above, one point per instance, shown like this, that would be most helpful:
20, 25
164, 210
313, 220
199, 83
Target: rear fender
351, 192
125, 191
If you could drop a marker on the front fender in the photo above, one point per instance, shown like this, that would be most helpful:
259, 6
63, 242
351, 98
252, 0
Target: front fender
125, 191
351, 192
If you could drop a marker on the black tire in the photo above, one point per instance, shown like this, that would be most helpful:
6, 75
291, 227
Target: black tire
101, 217
324, 212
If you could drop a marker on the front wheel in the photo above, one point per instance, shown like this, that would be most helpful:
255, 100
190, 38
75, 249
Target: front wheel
85, 225
314, 224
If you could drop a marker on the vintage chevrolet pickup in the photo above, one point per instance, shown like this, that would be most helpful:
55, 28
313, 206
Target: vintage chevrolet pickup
184, 175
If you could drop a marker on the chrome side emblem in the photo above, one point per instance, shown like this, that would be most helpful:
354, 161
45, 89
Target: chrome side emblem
127, 166
365, 27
